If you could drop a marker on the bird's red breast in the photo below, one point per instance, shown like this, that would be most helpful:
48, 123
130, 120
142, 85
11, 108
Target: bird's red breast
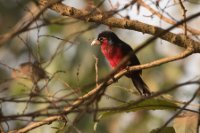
115, 50
112, 53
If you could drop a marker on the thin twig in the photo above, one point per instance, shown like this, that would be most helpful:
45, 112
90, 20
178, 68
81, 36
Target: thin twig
170, 21
178, 112
25, 22
198, 122
96, 69
111, 21
184, 15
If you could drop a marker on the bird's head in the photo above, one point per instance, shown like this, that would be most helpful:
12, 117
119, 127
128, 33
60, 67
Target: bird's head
106, 37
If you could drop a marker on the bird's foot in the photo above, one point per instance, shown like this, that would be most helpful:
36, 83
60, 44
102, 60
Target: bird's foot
127, 68
146, 93
114, 79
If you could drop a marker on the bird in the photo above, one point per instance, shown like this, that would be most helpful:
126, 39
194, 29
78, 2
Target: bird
115, 50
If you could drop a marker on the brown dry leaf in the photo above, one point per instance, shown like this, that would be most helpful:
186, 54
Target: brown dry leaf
29, 70
186, 122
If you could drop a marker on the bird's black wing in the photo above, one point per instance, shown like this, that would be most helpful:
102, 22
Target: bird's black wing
126, 50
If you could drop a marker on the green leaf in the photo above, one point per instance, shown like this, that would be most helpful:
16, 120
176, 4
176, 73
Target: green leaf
148, 104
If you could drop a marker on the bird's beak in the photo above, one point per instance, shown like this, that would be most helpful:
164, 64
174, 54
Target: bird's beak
95, 42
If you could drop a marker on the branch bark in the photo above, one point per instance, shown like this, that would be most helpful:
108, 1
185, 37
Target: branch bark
33, 14
101, 86
103, 18
166, 19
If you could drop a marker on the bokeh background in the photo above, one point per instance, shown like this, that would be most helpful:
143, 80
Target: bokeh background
64, 48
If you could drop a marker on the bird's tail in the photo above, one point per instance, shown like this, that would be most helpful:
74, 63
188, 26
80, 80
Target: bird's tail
140, 85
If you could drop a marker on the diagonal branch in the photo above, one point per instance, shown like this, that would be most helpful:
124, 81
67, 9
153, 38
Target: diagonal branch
103, 18
120, 23
101, 86
164, 18
26, 21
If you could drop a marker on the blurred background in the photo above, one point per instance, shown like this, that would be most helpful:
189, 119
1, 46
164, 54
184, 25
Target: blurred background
61, 46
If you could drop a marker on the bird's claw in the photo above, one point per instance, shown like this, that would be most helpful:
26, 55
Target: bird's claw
146, 94
127, 68
114, 79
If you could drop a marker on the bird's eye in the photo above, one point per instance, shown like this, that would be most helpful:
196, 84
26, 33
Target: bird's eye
101, 39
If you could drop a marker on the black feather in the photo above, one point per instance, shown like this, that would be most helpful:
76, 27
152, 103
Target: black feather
126, 50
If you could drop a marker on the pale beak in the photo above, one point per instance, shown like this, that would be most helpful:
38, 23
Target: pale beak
95, 42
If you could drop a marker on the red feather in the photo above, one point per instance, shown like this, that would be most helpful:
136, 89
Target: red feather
115, 50
112, 53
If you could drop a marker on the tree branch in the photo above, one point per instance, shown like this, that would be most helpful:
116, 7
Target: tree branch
180, 40
103, 18
101, 86
26, 21
168, 20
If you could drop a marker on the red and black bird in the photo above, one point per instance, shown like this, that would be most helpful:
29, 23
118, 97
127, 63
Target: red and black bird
115, 50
